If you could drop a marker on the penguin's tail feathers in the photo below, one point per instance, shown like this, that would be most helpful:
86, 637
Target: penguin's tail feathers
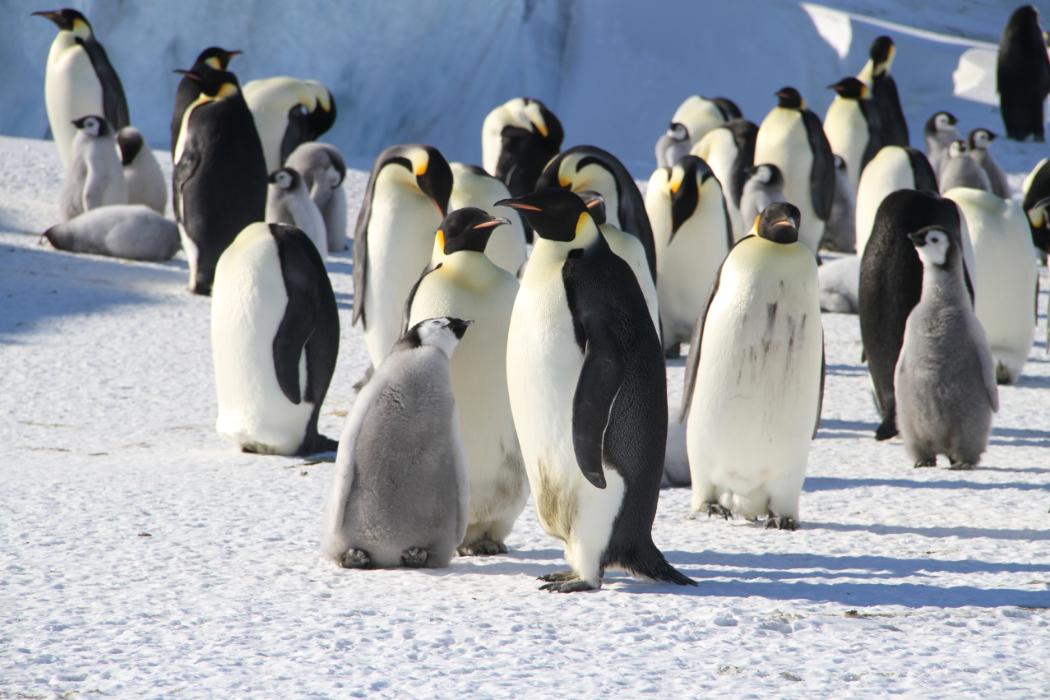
650, 563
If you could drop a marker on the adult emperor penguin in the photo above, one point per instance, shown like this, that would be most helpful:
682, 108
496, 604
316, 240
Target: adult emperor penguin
764, 186
940, 134
891, 283
894, 168
188, 90
730, 151
288, 112
219, 174
876, 75
274, 339
1022, 75
979, 140
406, 199
146, 184
841, 232
792, 138
852, 126
129, 231
1036, 204
473, 187
1006, 273
583, 168
79, 80
288, 202
588, 394
517, 139
754, 380
94, 177
461, 281
958, 169
323, 170
945, 380
693, 119
693, 233
399, 492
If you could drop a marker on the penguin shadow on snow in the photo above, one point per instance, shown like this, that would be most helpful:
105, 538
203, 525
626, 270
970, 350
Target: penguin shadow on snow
835, 429
1021, 437
933, 532
814, 484
848, 370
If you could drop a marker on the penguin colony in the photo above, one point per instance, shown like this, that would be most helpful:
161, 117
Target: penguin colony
517, 314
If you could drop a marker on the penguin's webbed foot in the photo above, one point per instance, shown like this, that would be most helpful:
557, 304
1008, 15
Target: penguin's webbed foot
575, 585
1002, 375
559, 576
481, 548
925, 462
961, 466
886, 430
355, 559
719, 510
415, 557
781, 522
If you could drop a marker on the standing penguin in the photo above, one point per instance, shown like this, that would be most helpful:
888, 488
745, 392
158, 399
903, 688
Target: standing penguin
473, 187
852, 126
288, 112
730, 151
219, 174
958, 169
583, 168
978, 141
323, 170
841, 232
940, 134
462, 281
764, 186
142, 172
79, 80
693, 234
406, 199
755, 377
1036, 204
876, 75
399, 491
944, 379
792, 138
288, 202
94, 178
693, 119
894, 168
274, 339
589, 397
1007, 275
672, 145
517, 140
1022, 75
188, 90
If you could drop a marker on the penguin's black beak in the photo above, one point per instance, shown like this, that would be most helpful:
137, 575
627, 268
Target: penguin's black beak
458, 326
189, 74
53, 15
918, 238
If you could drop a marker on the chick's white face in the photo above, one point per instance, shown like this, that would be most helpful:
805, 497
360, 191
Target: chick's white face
980, 139
437, 332
935, 249
92, 126
957, 149
764, 174
283, 180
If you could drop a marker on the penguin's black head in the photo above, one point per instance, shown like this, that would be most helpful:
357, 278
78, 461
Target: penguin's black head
129, 141
788, 98
979, 138
881, 53
467, 229
67, 20
214, 84
554, 214
443, 332
767, 174
940, 121
215, 57
779, 223
850, 89
94, 125
595, 204
687, 179
286, 179
934, 245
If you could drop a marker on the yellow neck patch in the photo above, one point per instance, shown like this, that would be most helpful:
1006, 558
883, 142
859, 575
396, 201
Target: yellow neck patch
440, 240
81, 29
214, 62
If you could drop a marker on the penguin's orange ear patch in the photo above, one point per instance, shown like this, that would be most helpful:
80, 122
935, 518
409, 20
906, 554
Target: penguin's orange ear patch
441, 240
755, 225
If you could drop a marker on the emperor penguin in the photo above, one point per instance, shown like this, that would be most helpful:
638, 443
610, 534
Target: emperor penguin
1022, 75
958, 169
405, 201
589, 397
792, 138
473, 187
274, 339
694, 118
94, 177
1036, 204
583, 168
213, 57
323, 170
893, 168
1006, 273
944, 380
890, 285
978, 141
940, 134
730, 152
128, 231
754, 379
841, 232
289, 202
693, 234
145, 181
764, 186
399, 493
461, 281
79, 80
287, 112
876, 75
219, 174
852, 126
517, 139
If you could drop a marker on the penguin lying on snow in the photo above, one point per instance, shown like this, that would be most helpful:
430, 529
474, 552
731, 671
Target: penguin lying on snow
288, 202
95, 177
399, 490
323, 170
129, 231
145, 181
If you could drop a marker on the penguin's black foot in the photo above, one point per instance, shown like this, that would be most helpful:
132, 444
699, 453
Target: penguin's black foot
961, 466
576, 585
482, 548
319, 444
557, 576
887, 430
673, 352
415, 557
781, 522
364, 379
355, 559
926, 462
1002, 375
719, 510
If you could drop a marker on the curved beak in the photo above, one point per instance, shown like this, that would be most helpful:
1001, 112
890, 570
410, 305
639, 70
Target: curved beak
492, 223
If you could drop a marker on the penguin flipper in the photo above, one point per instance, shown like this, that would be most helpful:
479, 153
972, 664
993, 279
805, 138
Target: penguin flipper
114, 103
182, 173
412, 295
822, 173
596, 391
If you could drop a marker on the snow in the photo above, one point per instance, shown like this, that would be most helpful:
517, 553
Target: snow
141, 556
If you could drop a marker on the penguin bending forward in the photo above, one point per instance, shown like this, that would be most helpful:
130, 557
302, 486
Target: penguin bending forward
518, 138
588, 394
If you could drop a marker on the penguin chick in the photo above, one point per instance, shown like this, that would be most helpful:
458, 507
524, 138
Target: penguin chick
146, 184
288, 202
841, 232
940, 133
95, 177
944, 379
399, 495
672, 145
840, 285
323, 170
978, 141
764, 186
958, 169
129, 231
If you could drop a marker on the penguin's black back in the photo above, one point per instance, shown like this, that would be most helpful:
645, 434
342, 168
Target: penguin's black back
114, 104
894, 127
1023, 75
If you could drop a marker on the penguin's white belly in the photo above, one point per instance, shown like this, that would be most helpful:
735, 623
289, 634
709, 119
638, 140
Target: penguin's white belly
104, 183
782, 141
631, 251
847, 132
889, 171
305, 216
721, 162
687, 269
71, 91
146, 183
248, 303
